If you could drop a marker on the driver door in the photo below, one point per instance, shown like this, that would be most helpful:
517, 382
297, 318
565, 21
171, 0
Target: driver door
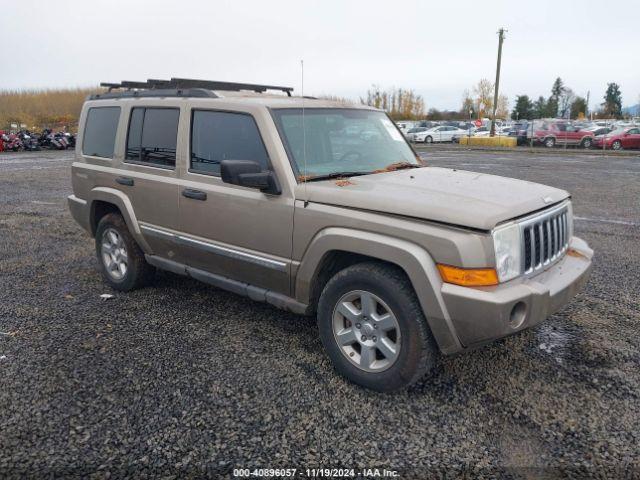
229, 230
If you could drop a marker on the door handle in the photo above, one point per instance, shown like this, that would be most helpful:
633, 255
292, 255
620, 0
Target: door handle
194, 194
125, 181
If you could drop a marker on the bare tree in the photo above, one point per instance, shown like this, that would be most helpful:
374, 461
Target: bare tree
483, 97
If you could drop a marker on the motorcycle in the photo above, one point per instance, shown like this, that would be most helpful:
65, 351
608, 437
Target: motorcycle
12, 142
29, 142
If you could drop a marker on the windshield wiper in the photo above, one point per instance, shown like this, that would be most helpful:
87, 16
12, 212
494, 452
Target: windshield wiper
329, 176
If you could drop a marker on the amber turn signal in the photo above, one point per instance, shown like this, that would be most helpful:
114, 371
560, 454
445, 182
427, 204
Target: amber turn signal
468, 277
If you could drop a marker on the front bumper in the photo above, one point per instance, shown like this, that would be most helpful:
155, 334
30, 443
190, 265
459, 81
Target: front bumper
481, 315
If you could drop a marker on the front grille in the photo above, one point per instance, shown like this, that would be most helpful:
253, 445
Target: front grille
545, 238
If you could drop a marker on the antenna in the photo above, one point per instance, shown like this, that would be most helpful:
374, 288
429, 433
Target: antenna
304, 139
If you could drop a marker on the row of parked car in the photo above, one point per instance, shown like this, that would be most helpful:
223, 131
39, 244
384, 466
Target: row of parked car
548, 133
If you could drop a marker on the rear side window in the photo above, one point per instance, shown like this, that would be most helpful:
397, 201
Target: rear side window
217, 136
99, 137
152, 137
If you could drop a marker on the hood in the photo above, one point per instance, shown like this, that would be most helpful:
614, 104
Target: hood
474, 200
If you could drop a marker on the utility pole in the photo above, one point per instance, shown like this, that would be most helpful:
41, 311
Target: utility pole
495, 95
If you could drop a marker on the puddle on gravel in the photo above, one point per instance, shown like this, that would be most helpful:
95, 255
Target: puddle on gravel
553, 340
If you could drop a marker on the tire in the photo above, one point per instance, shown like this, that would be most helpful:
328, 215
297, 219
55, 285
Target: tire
587, 143
616, 145
115, 246
549, 142
413, 352
428, 139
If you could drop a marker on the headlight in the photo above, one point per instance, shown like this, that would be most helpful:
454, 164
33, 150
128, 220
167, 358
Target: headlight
506, 244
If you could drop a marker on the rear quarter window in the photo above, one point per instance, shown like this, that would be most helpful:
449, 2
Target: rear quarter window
99, 137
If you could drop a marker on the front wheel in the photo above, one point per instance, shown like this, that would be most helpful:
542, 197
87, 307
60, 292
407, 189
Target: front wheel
587, 143
428, 139
373, 328
617, 145
550, 142
121, 260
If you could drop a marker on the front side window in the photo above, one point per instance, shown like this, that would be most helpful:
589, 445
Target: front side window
153, 135
218, 136
335, 140
100, 129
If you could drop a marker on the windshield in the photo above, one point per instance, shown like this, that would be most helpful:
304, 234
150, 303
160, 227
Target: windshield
619, 131
341, 140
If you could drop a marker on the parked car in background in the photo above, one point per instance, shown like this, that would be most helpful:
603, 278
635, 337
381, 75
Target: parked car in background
443, 133
619, 139
412, 132
597, 130
405, 125
551, 134
521, 130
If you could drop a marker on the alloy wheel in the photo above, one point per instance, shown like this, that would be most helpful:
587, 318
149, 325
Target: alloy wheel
366, 331
114, 254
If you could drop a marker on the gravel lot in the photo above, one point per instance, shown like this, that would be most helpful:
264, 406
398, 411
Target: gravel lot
187, 380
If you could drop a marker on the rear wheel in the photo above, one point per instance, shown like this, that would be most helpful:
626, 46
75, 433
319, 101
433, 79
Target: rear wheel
373, 328
121, 260
617, 145
550, 142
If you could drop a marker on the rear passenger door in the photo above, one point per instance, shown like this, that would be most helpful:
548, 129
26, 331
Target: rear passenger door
232, 231
148, 174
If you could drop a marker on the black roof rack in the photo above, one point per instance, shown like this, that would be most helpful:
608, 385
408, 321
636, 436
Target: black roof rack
181, 87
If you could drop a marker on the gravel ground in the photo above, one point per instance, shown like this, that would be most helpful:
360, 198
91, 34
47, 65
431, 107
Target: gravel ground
186, 380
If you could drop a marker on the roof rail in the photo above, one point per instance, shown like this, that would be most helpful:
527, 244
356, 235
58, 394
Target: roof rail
189, 83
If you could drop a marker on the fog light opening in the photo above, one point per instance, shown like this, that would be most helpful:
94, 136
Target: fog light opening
518, 314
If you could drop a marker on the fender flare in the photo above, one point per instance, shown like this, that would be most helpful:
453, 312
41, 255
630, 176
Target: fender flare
416, 262
122, 201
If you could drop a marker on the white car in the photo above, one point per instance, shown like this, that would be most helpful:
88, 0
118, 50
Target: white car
443, 133
410, 135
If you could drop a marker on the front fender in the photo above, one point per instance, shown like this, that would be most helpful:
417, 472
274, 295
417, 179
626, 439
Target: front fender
416, 262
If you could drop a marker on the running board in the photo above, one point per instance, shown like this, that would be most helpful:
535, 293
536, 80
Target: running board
246, 290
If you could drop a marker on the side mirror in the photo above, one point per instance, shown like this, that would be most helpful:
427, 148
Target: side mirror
246, 173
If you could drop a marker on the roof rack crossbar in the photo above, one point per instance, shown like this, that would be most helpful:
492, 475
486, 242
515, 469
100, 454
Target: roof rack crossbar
228, 86
186, 83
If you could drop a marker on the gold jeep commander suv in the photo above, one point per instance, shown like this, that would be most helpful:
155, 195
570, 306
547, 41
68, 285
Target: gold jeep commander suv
320, 209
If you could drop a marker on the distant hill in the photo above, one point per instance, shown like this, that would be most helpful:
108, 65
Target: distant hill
633, 110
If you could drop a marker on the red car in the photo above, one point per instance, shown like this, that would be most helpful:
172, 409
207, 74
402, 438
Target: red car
562, 133
618, 139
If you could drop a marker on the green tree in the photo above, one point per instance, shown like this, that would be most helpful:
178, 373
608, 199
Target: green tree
579, 107
558, 88
523, 108
434, 114
540, 107
553, 104
612, 105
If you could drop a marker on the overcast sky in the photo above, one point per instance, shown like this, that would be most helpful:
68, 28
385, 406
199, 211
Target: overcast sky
436, 48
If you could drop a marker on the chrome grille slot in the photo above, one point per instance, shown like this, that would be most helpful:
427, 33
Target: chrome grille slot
545, 238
